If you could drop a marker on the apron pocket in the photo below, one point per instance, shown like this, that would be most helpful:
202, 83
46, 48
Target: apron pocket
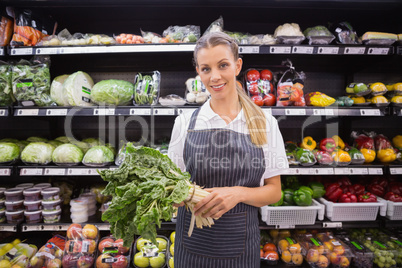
225, 239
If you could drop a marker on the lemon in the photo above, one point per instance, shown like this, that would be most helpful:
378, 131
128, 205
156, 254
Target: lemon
398, 86
390, 87
171, 262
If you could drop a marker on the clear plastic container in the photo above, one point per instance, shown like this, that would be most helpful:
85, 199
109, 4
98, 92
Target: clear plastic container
313, 251
79, 203
25, 185
384, 255
14, 205
290, 251
33, 216
2, 190
15, 217
51, 216
2, 205
2, 216
338, 253
49, 206
14, 194
50, 194
363, 257
79, 218
43, 185
32, 194
32, 205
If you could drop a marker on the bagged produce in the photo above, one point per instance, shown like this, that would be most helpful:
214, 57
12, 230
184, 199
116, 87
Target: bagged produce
318, 35
289, 33
318, 99
6, 96
344, 33
290, 251
67, 154
196, 92
215, 26
6, 30
18, 254
78, 87
37, 153
378, 38
129, 39
98, 156
182, 34
146, 88
385, 152
260, 87
148, 254
9, 152
112, 92
50, 254
31, 82
112, 253
290, 87
338, 253
57, 92
154, 38
305, 157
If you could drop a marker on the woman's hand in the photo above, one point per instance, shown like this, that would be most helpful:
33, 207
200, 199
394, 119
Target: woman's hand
218, 202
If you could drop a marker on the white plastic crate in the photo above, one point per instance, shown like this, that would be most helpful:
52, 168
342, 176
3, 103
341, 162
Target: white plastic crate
292, 215
353, 211
394, 209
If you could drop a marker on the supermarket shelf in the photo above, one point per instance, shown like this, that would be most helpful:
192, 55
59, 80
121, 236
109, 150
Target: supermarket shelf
5, 227
60, 171
329, 170
326, 224
243, 49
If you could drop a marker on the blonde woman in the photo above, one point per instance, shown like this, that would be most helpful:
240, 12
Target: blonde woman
233, 149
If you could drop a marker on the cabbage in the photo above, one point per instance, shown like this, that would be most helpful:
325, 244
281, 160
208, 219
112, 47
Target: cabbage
77, 88
111, 147
57, 91
63, 139
67, 154
112, 92
36, 139
98, 155
93, 142
37, 153
9, 140
9, 152
82, 145
22, 144
55, 143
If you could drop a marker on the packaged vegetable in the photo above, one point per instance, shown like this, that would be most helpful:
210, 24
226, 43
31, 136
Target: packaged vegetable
215, 26
259, 84
323, 157
6, 30
148, 254
196, 91
338, 253
289, 33
379, 101
37, 153
182, 34
318, 35
98, 156
9, 152
129, 39
261, 39
67, 155
378, 38
290, 251
344, 101
290, 87
318, 99
172, 100
341, 157
377, 88
314, 251
50, 254
357, 157
146, 88
31, 81
305, 157
57, 92
240, 38
344, 33
77, 88
6, 96
112, 92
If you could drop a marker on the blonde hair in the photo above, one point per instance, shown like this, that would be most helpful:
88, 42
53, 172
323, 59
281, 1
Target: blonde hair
255, 117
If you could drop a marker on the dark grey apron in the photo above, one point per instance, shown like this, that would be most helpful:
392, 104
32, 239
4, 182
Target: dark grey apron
219, 158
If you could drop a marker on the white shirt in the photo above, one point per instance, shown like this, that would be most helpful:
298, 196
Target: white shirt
274, 152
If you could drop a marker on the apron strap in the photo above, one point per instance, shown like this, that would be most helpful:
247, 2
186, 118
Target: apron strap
193, 119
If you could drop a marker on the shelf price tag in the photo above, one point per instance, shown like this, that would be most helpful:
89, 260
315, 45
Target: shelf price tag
395, 171
55, 171
378, 51
291, 171
282, 226
31, 172
354, 50
302, 50
332, 224
2, 112
163, 111
185, 110
304, 171
358, 171
370, 112
328, 50
280, 50
80, 171
104, 111
321, 171
327, 112
8, 228
375, 171
295, 111
56, 112
249, 49
341, 171
140, 111
21, 51
24, 112
104, 227
1, 51
5, 172
47, 51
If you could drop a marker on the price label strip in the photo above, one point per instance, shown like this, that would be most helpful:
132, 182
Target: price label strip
47, 51
395, 171
341, 171
332, 224
2, 112
140, 111
1, 51
5, 172
56, 112
378, 51
164, 112
285, 226
185, 110
21, 51
370, 112
295, 111
328, 50
321, 171
358, 171
27, 112
82, 172
31, 172
280, 50
375, 171
327, 112
105, 111
267, 111
354, 50
55, 171
249, 49
302, 50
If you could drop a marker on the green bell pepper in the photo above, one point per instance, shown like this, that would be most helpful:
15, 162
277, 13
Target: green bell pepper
306, 188
304, 156
318, 189
288, 197
302, 198
290, 147
279, 203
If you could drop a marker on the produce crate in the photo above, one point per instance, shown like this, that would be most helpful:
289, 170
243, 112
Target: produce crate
292, 215
394, 210
353, 211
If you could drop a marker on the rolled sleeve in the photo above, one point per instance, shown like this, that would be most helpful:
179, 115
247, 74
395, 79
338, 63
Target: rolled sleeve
176, 145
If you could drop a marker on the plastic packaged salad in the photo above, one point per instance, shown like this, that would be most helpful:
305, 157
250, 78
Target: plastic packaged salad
146, 88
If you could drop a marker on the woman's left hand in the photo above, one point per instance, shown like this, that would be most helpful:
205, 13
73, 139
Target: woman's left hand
218, 202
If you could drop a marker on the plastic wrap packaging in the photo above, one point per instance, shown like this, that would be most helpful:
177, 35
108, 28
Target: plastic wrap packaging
259, 85
6, 30
172, 100
261, 39
313, 251
384, 255
112, 254
290, 87
318, 99
215, 26
129, 39
152, 38
182, 34
290, 148
80, 247
289, 33
196, 92
363, 257
344, 33
385, 153
112, 92
67, 155
379, 39
339, 254
305, 157
290, 251
37, 153
6, 96
30, 27
16, 253
240, 38
98, 156
146, 254
31, 81
50, 255
147, 88
64, 38
9, 153
318, 35
357, 157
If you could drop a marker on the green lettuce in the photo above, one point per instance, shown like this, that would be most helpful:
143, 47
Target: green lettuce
98, 155
112, 92
37, 153
67, 154
9, 152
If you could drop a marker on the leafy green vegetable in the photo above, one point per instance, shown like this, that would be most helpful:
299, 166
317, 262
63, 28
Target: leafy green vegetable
112, 92
55, 143
98, 155
63, 139
6, 97
37, 153
36, 139
9, 152
77, 88
31, 82
57, 92
144, 188
146, 88
67, 154
93, 142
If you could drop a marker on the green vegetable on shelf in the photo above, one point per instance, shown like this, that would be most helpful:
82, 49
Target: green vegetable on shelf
304, 156
302, 197
291, 182
344, 101
279, 203
318, 189
307, 189
6, 97
288, 197
146, 88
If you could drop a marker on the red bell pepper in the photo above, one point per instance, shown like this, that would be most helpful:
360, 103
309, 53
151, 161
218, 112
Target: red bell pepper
364, 141
395, 187
376, 189
344, 181
323, 157
333, 192
347, 198
328, 145
380, 181
382, 142
393, 197
356, 189
367, 197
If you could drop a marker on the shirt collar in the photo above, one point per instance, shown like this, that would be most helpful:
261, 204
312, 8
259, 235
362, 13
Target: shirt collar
209, 114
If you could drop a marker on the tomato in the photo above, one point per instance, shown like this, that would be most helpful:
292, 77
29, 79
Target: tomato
300, 102
253, 88
269, 247
266, 75
257, 100
269, 99
253, 75
271, 255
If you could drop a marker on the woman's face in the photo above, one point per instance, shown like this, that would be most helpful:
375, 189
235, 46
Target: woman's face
218, 70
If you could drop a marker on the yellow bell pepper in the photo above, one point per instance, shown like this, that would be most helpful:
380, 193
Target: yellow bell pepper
341, 156
369, 155
308, 143
397, 142
386, 155
339, 142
